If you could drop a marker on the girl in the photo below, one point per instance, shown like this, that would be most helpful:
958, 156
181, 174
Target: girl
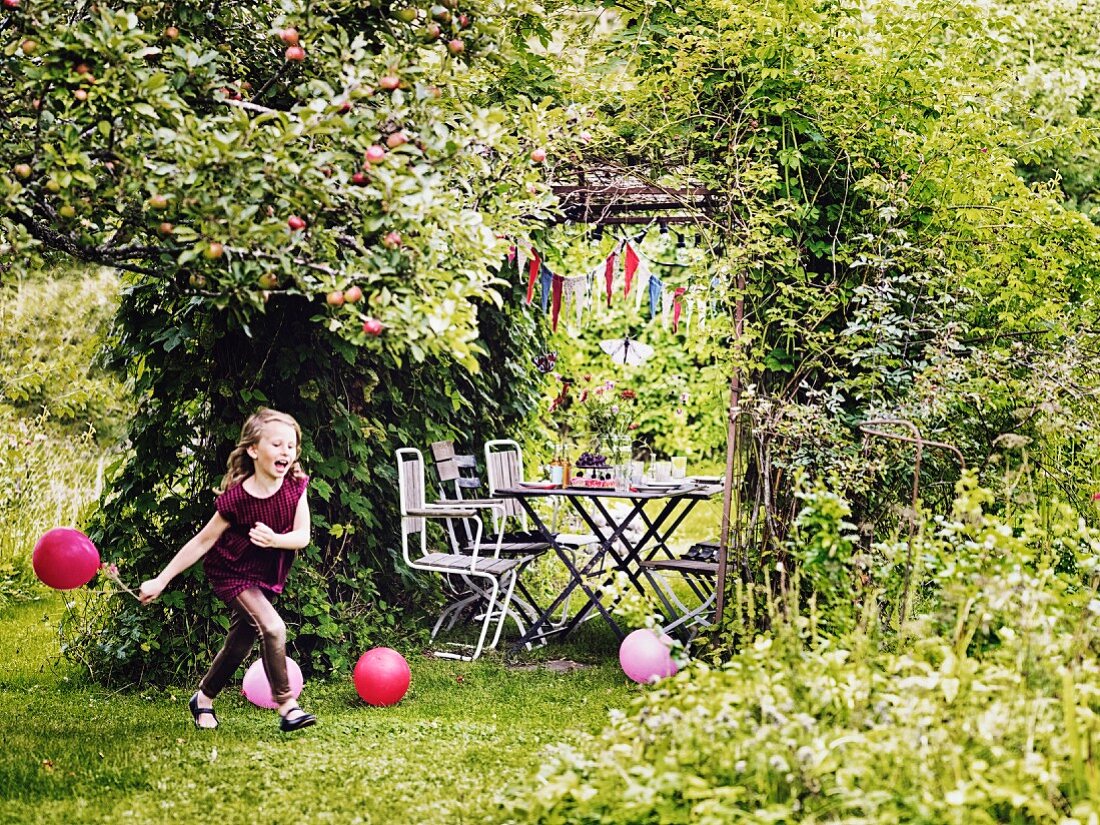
247, 548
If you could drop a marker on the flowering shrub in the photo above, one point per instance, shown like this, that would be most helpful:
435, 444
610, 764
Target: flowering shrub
981, 709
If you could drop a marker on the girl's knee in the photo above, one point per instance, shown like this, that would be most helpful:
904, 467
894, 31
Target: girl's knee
275, 629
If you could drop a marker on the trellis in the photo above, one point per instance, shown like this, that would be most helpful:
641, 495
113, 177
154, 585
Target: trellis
609, 195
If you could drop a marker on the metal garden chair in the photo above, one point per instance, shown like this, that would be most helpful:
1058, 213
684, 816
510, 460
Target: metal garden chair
479, 577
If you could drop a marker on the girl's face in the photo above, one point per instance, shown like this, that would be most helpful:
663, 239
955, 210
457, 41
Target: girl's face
276, 451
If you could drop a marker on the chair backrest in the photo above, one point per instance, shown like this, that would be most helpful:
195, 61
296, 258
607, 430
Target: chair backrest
455, 472
410, 483
504, 466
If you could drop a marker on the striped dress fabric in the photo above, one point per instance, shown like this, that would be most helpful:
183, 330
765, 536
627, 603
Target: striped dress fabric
234, 563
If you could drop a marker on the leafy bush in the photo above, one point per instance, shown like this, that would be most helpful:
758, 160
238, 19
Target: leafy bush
355, 410
982, 709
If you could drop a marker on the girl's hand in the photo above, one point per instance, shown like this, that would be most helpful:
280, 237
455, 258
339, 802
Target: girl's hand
263, 536
150, 589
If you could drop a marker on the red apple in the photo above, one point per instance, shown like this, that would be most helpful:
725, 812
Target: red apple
80, 95
389, 82
172, 33
375, 153
440, 13
395, 139
538, 155
432, 31
372, 326
82, 68
456, 46
269, 280
29, 47
166, 228
392, 240
13, 4
335, 298
295, 223
294, 54
345, 107
352, 294
359, 179
214, 251
158, 202
23, 170
289, 36
463, 21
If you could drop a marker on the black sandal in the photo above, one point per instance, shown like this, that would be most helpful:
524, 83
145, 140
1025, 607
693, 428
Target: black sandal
196, 712
298, 722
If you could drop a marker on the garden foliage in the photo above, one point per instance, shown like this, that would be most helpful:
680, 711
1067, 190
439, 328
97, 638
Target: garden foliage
878, 203
981, 709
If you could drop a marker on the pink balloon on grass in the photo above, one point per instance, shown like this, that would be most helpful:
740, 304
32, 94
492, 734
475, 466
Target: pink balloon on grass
257, 689
644, 656
381, 676
65, 558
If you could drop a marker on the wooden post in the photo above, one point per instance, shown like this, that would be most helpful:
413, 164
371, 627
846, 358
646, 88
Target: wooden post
733, 445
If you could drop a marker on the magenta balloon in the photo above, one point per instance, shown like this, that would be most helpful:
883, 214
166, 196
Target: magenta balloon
381, 676
644, 656
65, 558
257, 689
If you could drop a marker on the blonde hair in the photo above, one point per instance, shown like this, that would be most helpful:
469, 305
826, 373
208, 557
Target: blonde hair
240, 465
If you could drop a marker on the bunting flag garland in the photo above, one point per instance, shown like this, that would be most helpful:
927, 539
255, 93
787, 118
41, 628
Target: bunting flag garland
677, 294
534, 266
630, 265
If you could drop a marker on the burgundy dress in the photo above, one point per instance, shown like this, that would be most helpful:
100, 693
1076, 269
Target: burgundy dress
234, 563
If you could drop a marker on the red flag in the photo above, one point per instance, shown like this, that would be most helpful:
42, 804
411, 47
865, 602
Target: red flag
676, 306
609, 274
555, 301
533, 267
630, 266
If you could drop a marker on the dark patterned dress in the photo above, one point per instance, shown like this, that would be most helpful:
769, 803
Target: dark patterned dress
234, 563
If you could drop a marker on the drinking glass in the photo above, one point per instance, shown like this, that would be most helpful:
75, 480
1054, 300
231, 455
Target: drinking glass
679, 466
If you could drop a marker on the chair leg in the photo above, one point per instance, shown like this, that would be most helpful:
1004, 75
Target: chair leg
504, 605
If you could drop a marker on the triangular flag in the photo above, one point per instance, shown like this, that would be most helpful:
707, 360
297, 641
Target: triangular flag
545, 280
609, 272
533, 269
555, 301
630, 265
655, 287
677, 294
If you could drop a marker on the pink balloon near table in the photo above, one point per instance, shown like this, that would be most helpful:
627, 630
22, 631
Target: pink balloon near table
645, 656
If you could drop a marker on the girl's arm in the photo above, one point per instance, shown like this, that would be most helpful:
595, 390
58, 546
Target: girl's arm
184, 558
263, 536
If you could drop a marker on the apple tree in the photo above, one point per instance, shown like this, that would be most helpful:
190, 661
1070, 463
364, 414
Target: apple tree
312, 203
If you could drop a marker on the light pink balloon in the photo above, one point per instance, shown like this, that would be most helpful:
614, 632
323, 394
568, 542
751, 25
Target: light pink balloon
257, 690
645, 656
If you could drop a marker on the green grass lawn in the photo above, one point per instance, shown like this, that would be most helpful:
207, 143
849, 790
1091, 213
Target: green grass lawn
71, 751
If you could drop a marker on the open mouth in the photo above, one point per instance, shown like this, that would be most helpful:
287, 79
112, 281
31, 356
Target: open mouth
281, 465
